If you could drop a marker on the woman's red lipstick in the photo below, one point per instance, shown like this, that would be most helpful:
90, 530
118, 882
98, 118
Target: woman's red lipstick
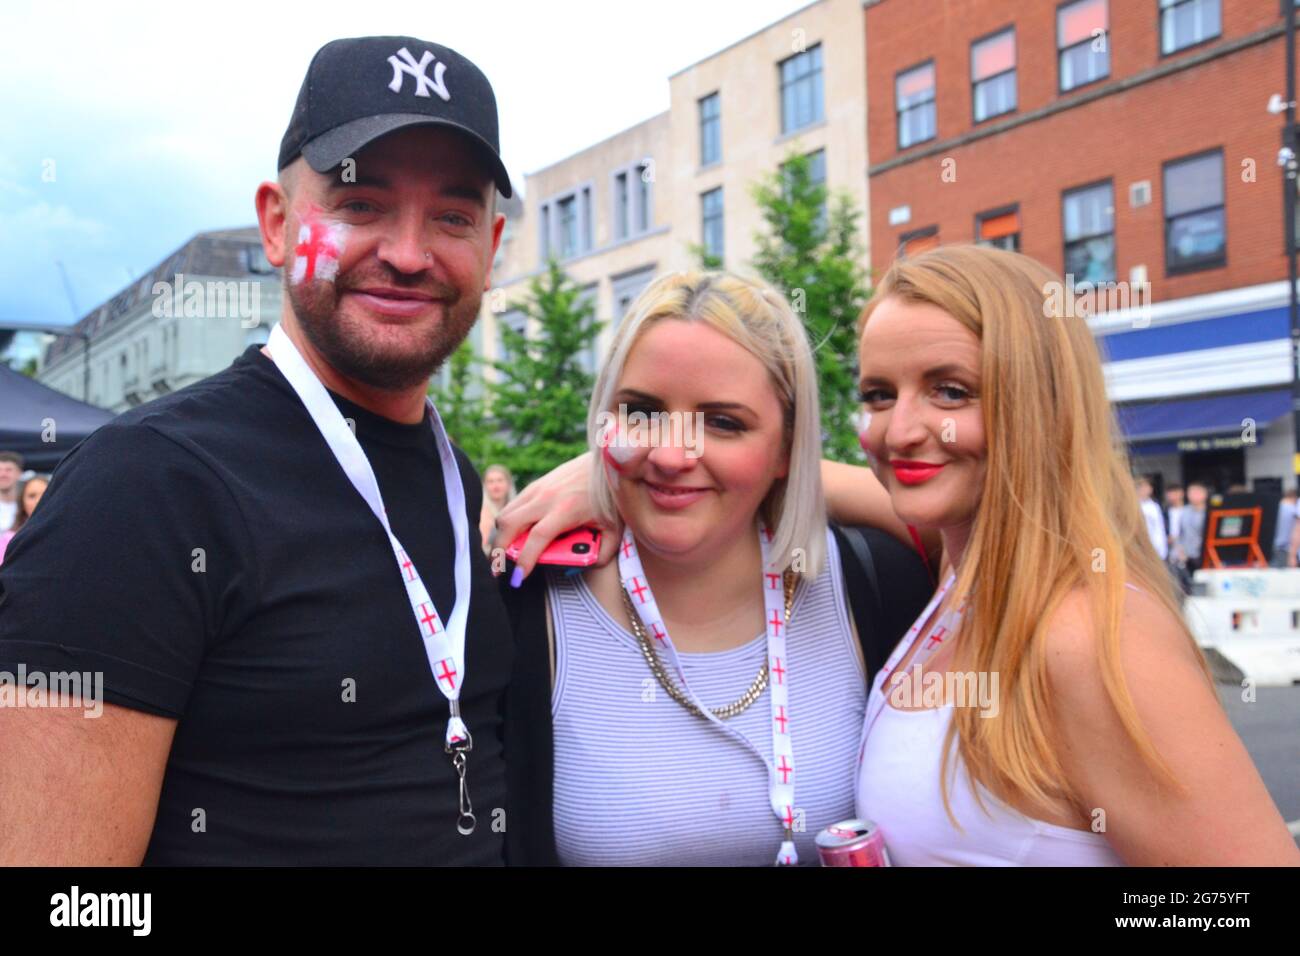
914, 472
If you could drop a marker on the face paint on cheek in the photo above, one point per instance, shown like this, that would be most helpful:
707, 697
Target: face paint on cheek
862, 432
617, 452
320, 246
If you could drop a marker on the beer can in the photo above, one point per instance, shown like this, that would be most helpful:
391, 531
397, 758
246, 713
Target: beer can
852, 843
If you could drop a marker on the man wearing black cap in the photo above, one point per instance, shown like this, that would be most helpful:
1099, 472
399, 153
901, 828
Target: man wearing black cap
303, 652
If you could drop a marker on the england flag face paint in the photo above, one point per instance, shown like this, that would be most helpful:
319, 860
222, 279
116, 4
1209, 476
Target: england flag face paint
320, 246
616, 451
862, 432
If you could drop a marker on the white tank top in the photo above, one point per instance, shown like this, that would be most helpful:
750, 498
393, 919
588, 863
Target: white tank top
898, 789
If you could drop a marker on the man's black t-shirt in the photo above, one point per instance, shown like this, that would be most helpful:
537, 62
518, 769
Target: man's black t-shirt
208, 554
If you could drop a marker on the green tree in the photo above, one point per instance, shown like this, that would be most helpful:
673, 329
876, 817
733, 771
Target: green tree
810, 251
465, 412
540, 401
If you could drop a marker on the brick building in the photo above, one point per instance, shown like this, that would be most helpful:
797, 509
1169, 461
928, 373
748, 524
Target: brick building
1128, 145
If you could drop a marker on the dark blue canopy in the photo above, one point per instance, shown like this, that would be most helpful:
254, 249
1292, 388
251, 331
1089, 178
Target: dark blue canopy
31, 412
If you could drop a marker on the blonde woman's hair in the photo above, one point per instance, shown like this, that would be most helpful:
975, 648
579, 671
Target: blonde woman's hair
1057, 511
757, 318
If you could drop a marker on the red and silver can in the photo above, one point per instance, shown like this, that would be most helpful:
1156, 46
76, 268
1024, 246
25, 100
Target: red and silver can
852, 843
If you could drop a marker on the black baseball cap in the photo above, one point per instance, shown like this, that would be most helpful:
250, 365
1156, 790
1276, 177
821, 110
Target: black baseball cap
359, 89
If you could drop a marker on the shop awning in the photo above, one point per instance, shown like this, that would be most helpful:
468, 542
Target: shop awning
1205, 417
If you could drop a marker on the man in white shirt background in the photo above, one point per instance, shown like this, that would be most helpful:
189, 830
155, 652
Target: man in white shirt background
1286, 515
11, 467
1174, 504
1154, 519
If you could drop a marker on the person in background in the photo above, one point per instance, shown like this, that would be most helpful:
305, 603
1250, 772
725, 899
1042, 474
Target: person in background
1286, 514
1175, 501
11, 468
1154, 519
498, 491
1191, 532
29, 495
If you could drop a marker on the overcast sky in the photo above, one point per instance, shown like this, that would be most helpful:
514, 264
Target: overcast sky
162, 118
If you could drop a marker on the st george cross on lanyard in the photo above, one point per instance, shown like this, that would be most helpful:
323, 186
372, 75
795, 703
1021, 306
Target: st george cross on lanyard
443, 645
781, 767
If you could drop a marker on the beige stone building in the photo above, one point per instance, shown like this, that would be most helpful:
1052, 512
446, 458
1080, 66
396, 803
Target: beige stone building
795, 87
634, 205
603, 215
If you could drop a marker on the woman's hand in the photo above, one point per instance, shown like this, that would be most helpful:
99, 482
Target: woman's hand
548, 507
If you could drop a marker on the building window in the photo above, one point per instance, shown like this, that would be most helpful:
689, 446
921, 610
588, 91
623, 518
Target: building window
711, 222
1195, 227
918, 241
993, 75
566, 224
257, 261
627, 287
622, 197
643, 197
568, 216
516, 321
710, 129
1185, 23
1088, 216
1083, 42
801, 89
632, 200
914, 91
999, 228
586, 235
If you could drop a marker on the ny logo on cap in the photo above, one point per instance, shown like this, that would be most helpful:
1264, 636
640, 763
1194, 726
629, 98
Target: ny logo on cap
423, 84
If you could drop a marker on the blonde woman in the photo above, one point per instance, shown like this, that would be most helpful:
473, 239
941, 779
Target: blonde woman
699, 699
498, 491
1103, 741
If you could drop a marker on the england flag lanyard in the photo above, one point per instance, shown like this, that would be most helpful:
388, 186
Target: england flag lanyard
443, 645
943, 629
780, 769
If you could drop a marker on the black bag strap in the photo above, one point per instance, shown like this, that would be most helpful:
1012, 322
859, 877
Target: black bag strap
864, 596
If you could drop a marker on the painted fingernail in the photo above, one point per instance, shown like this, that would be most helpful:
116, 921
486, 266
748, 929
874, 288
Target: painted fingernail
572, 572
516, 577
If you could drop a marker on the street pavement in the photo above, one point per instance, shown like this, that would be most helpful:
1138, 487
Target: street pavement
1270, 728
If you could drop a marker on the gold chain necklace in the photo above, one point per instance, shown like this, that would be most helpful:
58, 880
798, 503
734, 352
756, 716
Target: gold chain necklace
670, 686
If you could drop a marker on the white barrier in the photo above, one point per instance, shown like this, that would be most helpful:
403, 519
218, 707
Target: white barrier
1262, 583
1252, 620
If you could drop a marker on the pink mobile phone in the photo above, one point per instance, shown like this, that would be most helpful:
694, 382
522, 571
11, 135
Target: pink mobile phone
576, 548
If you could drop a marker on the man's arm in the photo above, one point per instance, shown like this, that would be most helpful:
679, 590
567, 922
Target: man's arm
123, 576
77, 790
559, 501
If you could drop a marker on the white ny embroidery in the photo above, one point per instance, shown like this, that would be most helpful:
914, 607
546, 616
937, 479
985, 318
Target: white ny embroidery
423, 84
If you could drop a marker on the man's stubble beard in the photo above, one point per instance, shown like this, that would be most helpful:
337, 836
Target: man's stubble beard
343, 343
